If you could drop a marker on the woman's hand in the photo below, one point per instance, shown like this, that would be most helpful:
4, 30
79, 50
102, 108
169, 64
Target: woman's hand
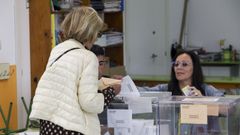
195, 91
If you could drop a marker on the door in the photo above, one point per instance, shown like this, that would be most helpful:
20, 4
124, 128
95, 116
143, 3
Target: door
40, 38
145, 37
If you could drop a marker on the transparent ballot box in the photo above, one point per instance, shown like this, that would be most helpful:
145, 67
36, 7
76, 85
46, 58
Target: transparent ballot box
135, 116
179, 115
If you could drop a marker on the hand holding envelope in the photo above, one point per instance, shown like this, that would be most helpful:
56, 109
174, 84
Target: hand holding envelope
107, 82
191, 91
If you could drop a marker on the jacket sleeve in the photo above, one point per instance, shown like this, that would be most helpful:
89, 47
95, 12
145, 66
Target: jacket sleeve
89, 99
212, 91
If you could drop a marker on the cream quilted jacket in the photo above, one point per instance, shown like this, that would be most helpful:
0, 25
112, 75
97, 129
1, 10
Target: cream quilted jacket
67, 91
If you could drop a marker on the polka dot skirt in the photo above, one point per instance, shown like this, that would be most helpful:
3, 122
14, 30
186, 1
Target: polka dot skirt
49, 128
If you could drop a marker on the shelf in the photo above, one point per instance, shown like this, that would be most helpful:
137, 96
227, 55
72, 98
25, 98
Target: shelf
110, 12
61, 11
234, 66
220, 63
113, 45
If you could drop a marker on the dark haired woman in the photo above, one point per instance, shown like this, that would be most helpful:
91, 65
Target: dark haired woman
186, 71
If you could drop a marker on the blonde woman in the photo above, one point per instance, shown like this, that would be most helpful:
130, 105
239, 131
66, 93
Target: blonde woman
66, 99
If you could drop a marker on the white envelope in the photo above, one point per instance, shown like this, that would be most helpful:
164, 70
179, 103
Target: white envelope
128, 88
119, 118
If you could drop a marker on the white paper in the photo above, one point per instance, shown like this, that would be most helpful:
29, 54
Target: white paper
140, 104
186, 90
137, 127
119, 118
128, 88
107, 133
150, 130
140, 126
122, 131
164, 129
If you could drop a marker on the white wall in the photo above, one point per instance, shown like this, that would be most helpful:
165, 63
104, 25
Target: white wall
212, 20
14, 37
7, 32
175, 19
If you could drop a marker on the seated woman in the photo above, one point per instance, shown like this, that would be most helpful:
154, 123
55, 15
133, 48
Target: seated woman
186, 71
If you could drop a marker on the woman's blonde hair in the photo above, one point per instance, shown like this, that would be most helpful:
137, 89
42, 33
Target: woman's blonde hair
82, 24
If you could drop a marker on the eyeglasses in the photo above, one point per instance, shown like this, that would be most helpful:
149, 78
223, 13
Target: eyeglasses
103, 63
99, 35
181, 63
